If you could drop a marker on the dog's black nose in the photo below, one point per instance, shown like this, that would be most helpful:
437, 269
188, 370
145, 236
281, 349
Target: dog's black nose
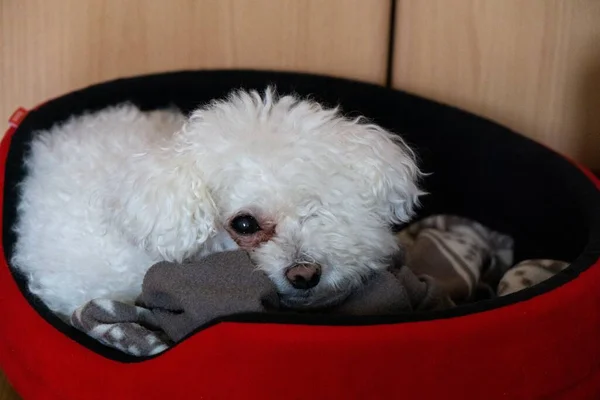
304, 276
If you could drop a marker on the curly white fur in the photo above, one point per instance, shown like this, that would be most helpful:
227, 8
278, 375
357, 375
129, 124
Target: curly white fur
110, 193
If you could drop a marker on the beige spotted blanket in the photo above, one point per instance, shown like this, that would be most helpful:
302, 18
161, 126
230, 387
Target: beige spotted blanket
446, 260
469, 261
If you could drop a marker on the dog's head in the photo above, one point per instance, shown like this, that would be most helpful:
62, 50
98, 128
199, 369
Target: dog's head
310, 194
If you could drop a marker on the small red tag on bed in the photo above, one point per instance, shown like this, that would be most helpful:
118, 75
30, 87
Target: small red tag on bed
17, 117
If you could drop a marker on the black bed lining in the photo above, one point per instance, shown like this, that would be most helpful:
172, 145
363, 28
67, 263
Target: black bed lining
518, 187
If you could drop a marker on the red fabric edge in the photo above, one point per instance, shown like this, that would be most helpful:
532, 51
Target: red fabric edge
538, 348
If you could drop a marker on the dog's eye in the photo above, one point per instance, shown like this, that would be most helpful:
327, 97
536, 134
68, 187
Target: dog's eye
245, 225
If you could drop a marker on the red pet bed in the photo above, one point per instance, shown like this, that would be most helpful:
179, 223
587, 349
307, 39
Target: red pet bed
542, 342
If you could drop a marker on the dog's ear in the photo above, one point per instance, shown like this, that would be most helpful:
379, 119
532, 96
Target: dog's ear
392, 172
163, 205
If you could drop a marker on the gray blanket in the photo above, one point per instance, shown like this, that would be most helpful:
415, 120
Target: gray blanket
445, 261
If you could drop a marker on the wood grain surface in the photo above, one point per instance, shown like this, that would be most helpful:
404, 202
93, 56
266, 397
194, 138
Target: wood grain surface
533, 65
51, 47
6, 391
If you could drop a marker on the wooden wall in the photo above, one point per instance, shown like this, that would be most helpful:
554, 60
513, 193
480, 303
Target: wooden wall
50, 47
533, 65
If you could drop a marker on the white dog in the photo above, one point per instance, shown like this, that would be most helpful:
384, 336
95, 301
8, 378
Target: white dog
309, 193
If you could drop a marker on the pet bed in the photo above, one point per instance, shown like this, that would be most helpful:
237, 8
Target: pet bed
541, 342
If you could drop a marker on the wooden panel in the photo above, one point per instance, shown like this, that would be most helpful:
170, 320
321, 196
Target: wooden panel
533, 65
51, 47
6, 392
